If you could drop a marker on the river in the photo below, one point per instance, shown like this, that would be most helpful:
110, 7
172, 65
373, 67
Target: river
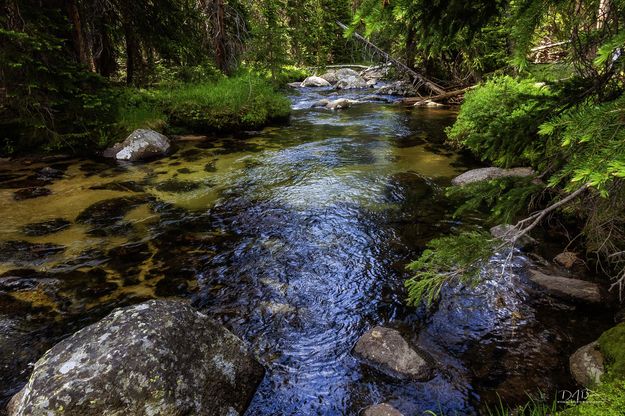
295, 237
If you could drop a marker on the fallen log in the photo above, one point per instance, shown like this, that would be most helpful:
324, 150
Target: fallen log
444, 96
418, 78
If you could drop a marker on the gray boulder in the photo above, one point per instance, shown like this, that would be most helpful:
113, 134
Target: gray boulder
156, 358
314, 81
141, 144
586, 365
340, 103
567, 288
387, 351
382, 409
484, 174
401, 88
335, 75
351, 82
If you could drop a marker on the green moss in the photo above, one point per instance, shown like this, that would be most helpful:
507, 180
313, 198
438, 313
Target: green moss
607, 400
612, 345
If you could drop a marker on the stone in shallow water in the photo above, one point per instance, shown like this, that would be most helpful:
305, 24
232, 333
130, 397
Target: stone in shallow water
30, 182
586, 365
46, 227
382, 409
141, 144
567, 288
139, 361
178, 186
23, 252
107, 216
387, 351
30, 193
124, 186
210, 167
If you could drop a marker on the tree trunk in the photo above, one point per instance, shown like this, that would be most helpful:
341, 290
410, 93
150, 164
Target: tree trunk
219, 39
132, 53
83, 52
411, 45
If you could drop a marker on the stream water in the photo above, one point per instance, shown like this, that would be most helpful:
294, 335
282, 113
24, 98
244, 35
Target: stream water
295, 238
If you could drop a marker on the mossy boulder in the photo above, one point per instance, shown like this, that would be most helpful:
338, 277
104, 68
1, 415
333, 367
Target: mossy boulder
612, 345
156, 358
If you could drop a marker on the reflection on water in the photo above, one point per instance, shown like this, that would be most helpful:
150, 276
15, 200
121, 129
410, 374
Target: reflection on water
295, 237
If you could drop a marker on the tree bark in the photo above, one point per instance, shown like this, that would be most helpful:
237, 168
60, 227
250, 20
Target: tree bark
219, 40
83, 52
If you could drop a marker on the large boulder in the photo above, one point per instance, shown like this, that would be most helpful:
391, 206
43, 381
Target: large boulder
568, 288
314, 81
382, 409
387, 351
484, 174
157, 358
140, 145
586, 365
335, 75
351, 82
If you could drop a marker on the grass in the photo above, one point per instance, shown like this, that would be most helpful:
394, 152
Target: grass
241, 102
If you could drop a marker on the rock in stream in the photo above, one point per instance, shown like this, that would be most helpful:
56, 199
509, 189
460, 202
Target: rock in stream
156, 358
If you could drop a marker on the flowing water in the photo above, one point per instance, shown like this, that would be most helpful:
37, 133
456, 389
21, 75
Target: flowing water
296, 238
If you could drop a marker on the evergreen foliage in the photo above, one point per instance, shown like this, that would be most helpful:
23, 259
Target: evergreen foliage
451, 258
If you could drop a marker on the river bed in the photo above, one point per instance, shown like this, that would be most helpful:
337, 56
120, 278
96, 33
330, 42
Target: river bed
296, 238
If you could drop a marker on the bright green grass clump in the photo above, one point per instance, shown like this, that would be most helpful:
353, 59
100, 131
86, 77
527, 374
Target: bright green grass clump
239, 103
227, 104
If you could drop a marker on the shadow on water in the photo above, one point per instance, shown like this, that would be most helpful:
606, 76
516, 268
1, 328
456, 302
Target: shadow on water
295, 237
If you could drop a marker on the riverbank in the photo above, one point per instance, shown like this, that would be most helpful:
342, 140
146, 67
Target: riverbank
210, 105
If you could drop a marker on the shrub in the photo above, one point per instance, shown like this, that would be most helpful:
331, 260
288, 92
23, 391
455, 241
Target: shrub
499, 121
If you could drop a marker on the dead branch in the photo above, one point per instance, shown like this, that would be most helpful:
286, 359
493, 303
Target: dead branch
419, 100
418, 78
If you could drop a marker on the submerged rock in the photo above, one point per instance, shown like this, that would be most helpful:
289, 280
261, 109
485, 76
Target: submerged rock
140, 145
382, 409
387, 351
586, 365
178, 186
123, 186
24, 252
400, 88
107, 217
565, 287
484, 174
46, 227
30, 193
314, 81
139, 361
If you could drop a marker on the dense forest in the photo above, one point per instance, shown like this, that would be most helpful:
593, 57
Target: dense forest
538, 84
